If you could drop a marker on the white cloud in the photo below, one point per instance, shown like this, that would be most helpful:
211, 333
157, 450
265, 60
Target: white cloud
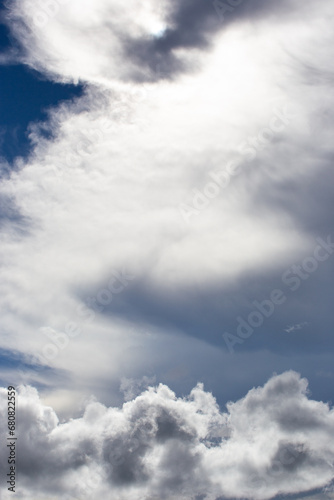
87, 39
273, 441
104, 193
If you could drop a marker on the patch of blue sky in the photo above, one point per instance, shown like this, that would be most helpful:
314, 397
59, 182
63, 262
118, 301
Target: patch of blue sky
25, 97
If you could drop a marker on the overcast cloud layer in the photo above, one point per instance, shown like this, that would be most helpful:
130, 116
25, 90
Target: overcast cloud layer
274, 440
184, 184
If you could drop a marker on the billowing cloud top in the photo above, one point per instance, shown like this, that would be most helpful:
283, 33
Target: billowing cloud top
273, 441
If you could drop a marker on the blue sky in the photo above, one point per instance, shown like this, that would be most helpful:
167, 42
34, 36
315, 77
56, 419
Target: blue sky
26, 96
166, 218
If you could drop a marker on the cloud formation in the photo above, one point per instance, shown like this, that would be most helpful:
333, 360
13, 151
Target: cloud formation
273, 441
102, 194
108, 41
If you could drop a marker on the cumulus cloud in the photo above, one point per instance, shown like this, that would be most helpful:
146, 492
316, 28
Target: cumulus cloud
275, 440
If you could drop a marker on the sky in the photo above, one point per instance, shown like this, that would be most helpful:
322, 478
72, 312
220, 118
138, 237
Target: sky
167, 248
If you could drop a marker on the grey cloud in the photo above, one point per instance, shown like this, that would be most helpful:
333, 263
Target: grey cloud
126, 453
207, 311
183, 473
307, 200
11, 220
291, 456
124, 458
